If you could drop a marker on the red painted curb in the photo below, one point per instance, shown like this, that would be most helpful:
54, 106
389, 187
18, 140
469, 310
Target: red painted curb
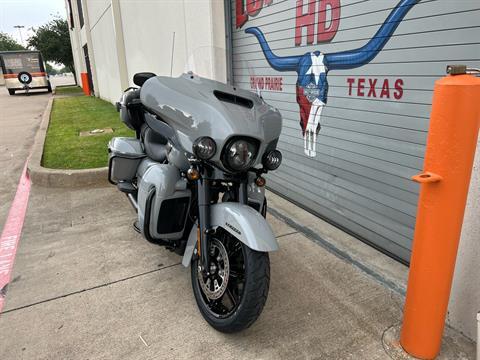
11, 233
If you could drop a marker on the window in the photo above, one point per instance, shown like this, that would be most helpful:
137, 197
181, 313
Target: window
80, 12
16, 62
70, 14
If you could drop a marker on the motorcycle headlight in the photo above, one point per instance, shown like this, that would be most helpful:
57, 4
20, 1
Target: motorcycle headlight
240, 154
272, 160
204, 147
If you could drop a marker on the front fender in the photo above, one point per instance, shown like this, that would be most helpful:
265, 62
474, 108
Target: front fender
243, 222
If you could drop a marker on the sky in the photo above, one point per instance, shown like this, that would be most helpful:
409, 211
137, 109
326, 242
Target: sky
29, 13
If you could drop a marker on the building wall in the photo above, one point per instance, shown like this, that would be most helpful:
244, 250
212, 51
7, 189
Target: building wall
169, 33
77, 52
149, 43
77, 58
465, 298
104, 49
95, 9
120, 45
87, 40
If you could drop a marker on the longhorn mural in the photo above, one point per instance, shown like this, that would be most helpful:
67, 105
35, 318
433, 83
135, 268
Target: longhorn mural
312, 69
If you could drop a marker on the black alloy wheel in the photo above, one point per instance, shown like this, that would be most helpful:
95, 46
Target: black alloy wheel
233, 293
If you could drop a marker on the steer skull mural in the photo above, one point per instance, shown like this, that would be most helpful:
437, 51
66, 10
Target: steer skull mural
312, 69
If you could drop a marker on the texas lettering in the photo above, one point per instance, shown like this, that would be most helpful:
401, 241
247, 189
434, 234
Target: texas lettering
375, 88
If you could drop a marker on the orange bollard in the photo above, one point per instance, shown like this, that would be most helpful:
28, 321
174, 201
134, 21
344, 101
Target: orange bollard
452, 138
85, 84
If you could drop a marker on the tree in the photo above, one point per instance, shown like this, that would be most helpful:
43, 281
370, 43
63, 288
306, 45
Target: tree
7, 43
53, 41
50, 69
63, 70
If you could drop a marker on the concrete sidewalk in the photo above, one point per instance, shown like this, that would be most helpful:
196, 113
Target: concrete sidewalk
85, 285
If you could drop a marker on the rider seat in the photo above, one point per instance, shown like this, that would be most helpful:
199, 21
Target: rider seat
155, 144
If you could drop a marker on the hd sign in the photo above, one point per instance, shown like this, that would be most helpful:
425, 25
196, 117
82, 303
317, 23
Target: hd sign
314, 19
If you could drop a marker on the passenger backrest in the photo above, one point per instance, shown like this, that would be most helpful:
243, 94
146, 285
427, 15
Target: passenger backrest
130, 107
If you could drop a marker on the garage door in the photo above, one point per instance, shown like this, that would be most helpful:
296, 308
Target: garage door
317, 62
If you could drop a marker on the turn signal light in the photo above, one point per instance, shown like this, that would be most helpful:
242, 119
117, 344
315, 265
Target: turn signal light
260, 181
193, 174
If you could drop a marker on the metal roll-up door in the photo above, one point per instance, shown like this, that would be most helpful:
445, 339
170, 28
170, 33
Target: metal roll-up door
373, 118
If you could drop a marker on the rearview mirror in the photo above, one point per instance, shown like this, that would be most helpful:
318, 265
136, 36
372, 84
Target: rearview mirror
140, 78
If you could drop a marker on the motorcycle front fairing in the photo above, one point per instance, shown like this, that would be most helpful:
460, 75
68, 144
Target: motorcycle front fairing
196, 107
189, 107
163, 201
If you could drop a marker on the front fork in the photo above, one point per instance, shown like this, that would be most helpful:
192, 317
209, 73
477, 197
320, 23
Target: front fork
204, 198
203, 189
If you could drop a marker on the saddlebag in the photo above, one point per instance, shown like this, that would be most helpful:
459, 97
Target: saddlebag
124, 156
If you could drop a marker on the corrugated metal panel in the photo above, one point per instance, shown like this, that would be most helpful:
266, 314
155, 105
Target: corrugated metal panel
368, 147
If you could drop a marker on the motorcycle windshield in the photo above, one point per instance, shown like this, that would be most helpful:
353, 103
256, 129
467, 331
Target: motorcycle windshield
211, 63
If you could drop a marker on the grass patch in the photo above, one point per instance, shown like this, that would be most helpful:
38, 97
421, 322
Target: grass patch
64, 148
65, 90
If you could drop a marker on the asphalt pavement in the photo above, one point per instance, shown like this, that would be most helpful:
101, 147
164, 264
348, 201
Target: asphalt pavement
20, 117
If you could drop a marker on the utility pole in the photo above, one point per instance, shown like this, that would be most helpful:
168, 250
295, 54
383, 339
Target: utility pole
20, 27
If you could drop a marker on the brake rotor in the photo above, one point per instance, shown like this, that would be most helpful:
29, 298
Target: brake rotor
215, 283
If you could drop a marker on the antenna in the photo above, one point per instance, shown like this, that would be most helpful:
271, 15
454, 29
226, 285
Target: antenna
251, 73
173, 50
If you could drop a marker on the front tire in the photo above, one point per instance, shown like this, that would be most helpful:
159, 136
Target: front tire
11, 91
246, 290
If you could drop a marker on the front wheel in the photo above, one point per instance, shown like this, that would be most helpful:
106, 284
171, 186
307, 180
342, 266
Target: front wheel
232, 296
11, 91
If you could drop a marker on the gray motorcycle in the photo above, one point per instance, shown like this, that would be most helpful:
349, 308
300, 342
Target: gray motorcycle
194, 174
